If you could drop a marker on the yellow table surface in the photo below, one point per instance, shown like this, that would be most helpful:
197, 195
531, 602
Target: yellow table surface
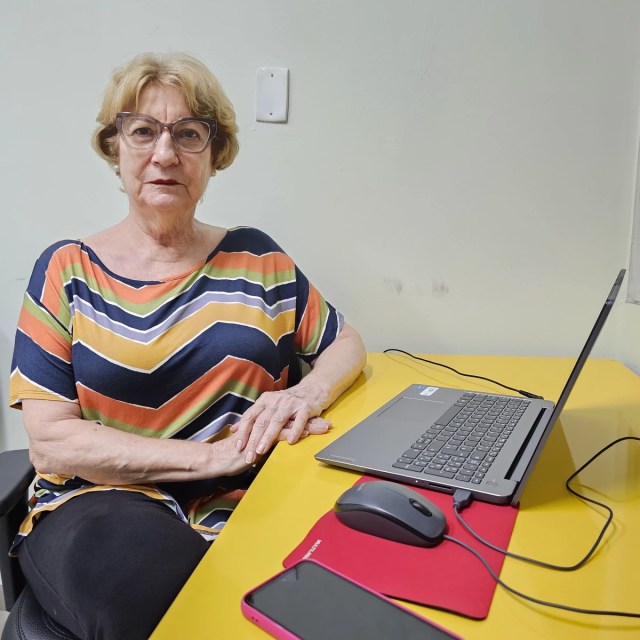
293, 490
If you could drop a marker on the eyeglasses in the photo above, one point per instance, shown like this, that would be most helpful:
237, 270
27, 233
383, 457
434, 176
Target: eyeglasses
191, 135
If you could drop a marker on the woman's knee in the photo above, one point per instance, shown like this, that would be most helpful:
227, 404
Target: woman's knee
116, 559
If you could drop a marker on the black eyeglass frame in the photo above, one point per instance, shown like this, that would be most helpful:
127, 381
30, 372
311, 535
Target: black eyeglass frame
212, 125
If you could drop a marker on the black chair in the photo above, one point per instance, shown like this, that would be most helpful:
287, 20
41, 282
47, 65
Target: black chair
27, 620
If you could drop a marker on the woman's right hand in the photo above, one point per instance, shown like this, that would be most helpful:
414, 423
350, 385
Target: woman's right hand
226, 460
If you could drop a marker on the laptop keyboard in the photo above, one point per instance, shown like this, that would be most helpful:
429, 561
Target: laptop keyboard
464, 442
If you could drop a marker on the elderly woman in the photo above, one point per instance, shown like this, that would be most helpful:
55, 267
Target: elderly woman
155, 363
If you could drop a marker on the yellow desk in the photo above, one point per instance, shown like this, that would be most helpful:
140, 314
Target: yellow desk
293, 490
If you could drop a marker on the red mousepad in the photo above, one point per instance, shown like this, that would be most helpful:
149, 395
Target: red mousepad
445, 577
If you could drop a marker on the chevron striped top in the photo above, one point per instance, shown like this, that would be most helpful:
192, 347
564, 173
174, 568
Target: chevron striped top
178, 358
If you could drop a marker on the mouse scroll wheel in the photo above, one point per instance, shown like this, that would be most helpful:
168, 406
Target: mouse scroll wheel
420, 507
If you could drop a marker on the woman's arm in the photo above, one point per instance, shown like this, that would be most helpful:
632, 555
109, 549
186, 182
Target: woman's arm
332, 373
61, 442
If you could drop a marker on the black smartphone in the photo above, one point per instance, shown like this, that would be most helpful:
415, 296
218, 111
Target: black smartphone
309, 601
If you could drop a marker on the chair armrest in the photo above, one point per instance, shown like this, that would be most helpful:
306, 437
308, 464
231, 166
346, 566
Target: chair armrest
16, 474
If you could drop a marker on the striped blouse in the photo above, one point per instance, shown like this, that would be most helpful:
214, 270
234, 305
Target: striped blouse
177, 358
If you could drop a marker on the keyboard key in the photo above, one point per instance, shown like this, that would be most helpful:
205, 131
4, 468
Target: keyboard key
448, 416
450, 451
439, 472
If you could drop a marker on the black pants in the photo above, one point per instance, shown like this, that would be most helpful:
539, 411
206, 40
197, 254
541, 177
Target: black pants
107, 565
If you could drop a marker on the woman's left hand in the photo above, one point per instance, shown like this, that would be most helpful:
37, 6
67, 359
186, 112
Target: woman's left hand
292, 414
278, 415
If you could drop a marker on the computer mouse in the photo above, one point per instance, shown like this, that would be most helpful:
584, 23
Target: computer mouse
392, 511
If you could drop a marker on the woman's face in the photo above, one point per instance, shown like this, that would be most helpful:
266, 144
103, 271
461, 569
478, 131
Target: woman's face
163, 180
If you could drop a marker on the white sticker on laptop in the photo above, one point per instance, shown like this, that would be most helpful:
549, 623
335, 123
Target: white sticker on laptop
428, 391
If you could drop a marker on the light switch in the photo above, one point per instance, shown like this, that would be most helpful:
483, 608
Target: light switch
272, 95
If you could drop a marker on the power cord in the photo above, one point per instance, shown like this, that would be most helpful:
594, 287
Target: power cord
526, 394
462, 499
555, 605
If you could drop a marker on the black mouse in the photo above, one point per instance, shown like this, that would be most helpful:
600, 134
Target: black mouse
392, 511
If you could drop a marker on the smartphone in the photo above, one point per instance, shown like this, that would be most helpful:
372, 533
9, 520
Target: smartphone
309, 601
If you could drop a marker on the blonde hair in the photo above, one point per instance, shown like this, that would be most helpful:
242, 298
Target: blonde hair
201, 90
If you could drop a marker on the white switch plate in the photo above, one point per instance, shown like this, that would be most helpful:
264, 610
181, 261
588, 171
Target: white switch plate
272, 95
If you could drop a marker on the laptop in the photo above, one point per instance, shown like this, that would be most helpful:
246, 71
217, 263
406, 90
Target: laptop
446, 439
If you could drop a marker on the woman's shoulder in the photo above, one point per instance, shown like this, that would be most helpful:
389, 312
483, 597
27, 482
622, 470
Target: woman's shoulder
251, 240
61, 251
55, 261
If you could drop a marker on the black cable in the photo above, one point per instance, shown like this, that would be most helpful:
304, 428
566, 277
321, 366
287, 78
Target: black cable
462, 499
588, 462
527, 394
594, 612
540, 563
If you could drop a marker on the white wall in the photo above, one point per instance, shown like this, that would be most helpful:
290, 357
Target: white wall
455, 176
629, 344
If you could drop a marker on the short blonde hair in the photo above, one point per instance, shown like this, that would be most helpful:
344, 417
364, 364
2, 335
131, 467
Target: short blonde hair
202, 93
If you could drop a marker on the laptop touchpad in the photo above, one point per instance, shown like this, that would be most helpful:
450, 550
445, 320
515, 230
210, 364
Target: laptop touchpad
413, 410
